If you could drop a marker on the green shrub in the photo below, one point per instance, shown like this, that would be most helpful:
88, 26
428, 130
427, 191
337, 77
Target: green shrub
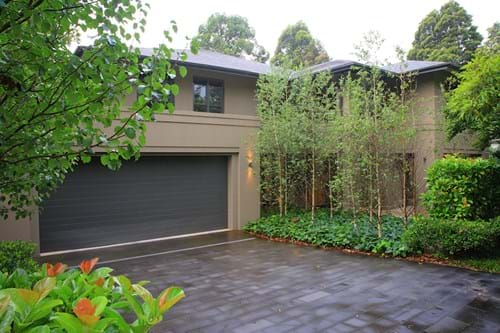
337, 231
452, 237
17, 254
463, 188
80, 300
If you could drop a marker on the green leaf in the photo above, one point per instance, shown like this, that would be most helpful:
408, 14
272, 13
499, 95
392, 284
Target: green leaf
7, 319
42, 309
100, 302
182, 71
174, 88
67, 321
39, 329
130, 132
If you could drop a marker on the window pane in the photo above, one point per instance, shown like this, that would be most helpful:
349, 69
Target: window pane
200, 97
216, 97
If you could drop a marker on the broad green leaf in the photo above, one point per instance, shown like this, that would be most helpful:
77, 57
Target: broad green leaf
42, 309
67, 321
39, 329
6, 320
100, 302
182, 71
174, 88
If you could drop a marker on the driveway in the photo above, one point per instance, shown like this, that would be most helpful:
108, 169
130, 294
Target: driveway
235, 283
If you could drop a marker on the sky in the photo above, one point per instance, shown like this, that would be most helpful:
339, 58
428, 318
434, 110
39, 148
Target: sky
338, 24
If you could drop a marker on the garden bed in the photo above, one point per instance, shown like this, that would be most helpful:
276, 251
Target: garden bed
343, 233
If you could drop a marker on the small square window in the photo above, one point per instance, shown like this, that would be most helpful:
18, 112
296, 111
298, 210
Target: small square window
208, 95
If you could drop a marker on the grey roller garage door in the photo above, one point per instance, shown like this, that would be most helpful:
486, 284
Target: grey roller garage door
157, 196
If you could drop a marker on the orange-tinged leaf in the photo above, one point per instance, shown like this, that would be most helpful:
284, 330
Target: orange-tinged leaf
44, 286
29, 296
85, 311
99, 282
86, 266
54, 270
84, 307
4, 304
169, 297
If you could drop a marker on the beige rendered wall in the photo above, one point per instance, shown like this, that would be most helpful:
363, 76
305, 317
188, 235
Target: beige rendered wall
431, 142
189, 132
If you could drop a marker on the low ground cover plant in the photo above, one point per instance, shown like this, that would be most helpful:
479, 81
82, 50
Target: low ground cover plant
340, 230
79, 300
17, 254
439, 237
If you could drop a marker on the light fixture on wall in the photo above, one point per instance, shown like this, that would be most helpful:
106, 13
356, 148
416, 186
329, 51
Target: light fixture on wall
250, 158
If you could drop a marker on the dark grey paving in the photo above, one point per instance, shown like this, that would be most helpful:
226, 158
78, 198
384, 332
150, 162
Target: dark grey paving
262, 286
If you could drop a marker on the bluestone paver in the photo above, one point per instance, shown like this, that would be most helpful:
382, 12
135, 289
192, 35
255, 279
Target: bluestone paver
262, 286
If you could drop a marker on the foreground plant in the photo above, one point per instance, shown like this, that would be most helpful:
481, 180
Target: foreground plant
80, 300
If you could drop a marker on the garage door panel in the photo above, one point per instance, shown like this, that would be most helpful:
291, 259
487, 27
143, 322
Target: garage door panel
152, 198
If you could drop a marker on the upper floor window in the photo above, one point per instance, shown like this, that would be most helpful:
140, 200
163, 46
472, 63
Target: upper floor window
208, 95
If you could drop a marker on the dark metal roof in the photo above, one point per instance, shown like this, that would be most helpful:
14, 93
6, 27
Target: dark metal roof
418, 66
408, 66
222, 62
205, 59
334, 66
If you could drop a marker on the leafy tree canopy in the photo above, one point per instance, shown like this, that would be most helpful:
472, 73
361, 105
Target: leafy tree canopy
57, 107
446, 34
230, 34
493, 41
298, 48
475, 104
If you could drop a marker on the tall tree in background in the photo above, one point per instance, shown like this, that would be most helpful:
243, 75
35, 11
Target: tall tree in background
493, 41
57, 107
298, 47
230, 34
475, 104
446, 34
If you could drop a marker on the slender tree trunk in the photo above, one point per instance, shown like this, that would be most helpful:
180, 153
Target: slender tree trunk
330, 192
379, 193
405, 187
280, 186
313, 184
286, 188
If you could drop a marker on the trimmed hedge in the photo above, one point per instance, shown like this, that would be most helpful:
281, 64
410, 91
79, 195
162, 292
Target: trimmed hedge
463, 188
17, 254
452, 237
338, 231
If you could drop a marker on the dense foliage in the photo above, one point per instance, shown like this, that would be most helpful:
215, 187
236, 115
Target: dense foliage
230, 34
463, 188
447, 35
339, 142
474, 104
298, 48
440, 237
340, 230
17, 254
80, 300
58, 107
452, 237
